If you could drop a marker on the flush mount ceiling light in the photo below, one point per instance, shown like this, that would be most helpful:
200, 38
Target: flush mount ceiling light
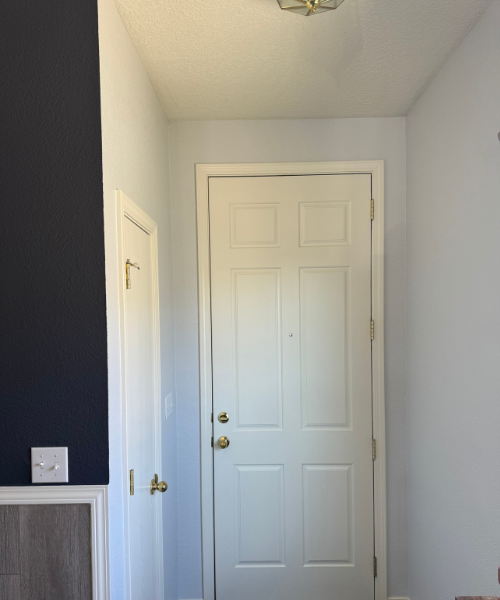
309, 7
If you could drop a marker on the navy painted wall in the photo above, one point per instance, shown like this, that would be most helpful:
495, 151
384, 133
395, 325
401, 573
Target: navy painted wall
53, 353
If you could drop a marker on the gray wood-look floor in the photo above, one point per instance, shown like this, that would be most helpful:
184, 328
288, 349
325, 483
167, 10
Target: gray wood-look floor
10, 587
45, 552
9, 540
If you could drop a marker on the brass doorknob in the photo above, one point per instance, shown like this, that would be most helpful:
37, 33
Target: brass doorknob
223, 442
160, 486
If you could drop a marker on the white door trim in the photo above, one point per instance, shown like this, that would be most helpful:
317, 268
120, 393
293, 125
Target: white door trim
97, 497
128, 209
203, 173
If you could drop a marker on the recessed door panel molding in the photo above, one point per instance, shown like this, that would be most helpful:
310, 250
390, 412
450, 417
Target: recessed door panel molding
255, 225
257, 347
325, 352
290, 278
325, 223
328, 515
260, 516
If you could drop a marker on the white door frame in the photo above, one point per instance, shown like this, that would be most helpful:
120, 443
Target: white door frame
128, 209
203, 173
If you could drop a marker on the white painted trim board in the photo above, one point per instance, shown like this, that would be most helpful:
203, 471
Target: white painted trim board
203, 173
97, 497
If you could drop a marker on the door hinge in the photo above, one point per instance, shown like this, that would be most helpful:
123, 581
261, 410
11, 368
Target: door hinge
372, 210
129, 264
372, 330
375, 566
212, 442
374, 449
131, 482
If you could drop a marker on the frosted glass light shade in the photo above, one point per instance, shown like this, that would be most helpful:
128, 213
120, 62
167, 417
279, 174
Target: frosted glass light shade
309, 7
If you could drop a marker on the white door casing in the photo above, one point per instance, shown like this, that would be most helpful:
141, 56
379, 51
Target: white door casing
141, 403
260, 280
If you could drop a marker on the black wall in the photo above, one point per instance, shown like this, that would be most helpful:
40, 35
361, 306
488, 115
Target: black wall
53, 353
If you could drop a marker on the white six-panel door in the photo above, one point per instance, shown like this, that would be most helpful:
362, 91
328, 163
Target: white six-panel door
290, 262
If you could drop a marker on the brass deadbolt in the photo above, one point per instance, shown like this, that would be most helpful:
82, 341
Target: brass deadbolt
223, 417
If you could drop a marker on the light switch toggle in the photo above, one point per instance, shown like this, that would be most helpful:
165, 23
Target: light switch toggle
49, 465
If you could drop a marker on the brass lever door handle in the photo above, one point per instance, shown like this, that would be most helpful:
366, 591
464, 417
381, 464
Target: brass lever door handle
160, 486
223, 442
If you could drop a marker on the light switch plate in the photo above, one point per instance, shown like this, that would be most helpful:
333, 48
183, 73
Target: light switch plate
49, 465
169, 405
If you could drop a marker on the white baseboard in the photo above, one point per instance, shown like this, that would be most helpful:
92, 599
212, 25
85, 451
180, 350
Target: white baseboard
97, 497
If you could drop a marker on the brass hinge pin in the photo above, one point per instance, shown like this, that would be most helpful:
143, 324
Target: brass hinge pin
374, 449
372, 330
372, 209
131, 482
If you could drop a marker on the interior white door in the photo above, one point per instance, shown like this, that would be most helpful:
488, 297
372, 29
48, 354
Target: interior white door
291, 312
145, 572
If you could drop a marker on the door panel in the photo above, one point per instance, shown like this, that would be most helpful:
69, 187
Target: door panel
257, 344
325, 223
327, 533
260, 514
324, 337
144, 509
291, 309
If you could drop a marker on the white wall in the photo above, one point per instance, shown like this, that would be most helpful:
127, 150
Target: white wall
282, 141
135, 159
453, 323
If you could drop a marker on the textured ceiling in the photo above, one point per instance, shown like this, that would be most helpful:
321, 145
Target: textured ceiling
247, 59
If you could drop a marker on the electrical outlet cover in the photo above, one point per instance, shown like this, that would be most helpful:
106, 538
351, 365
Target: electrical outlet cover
49, 465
